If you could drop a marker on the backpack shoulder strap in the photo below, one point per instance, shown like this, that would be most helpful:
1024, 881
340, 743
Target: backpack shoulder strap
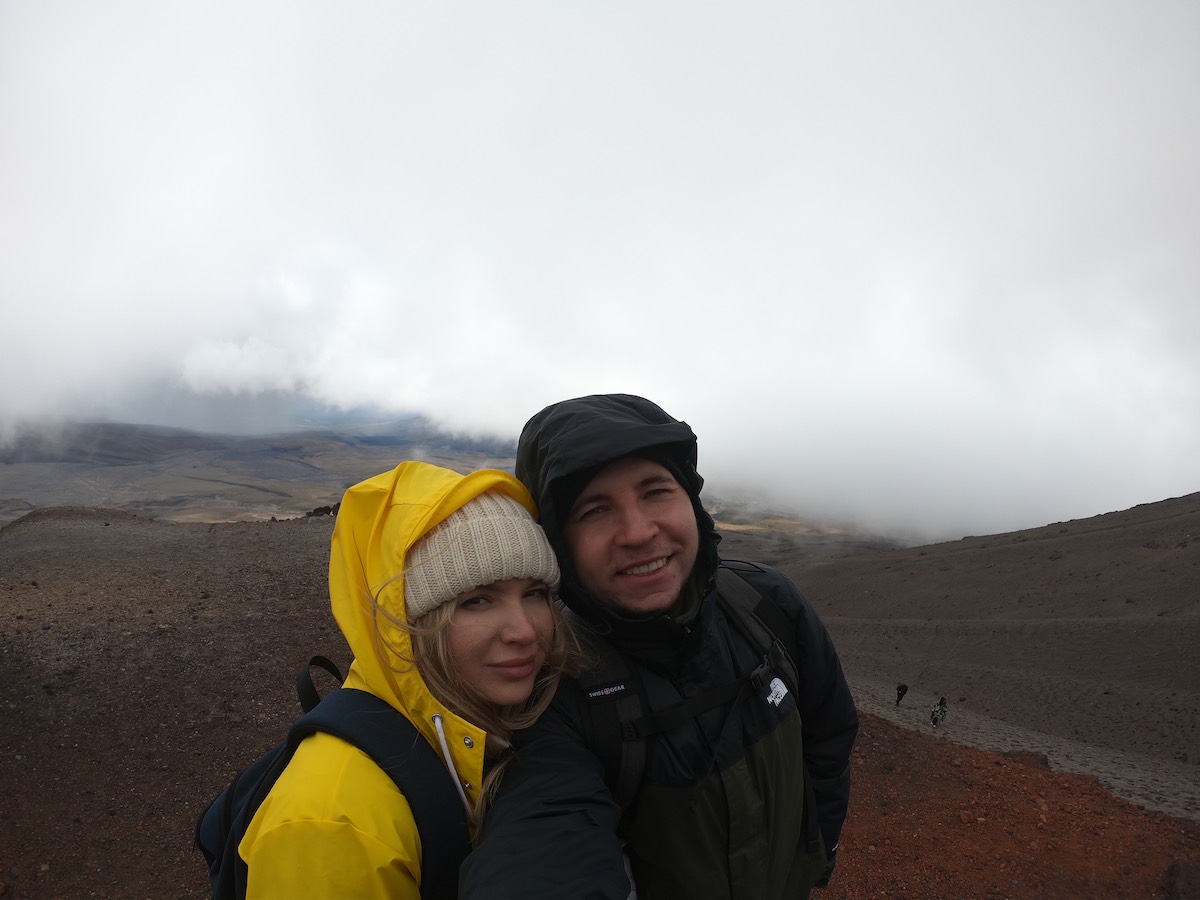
763, 621
613, 697
393, 742
306, 690
759, 617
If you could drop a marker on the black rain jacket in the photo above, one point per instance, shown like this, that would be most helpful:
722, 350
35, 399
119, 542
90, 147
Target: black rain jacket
721, 811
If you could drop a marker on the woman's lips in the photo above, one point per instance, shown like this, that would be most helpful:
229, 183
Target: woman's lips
518, 668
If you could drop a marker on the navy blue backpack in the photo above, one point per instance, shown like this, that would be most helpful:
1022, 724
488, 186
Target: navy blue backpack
381, 732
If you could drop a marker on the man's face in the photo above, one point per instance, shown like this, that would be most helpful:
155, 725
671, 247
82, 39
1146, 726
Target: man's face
632, 536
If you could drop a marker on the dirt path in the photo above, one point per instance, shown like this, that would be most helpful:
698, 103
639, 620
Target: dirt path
1156, 784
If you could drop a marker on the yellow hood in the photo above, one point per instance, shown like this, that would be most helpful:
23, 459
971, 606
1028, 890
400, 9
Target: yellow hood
379, 521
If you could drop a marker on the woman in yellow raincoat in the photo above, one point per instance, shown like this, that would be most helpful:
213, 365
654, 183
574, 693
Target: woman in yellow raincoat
443, 585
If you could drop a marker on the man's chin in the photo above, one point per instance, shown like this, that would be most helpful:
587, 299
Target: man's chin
643, 607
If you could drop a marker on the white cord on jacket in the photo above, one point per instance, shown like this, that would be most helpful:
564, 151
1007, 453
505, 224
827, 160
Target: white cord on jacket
437, 724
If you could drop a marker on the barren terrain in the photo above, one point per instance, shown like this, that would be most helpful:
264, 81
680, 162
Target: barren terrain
143, 662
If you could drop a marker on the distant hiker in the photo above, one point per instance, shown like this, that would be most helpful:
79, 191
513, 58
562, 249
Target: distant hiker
937, 713
901, 690
443, 586
744, 774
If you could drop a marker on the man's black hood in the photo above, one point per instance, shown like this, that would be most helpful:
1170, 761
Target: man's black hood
564, 446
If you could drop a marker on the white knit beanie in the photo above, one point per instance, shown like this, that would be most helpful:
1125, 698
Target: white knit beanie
491, 538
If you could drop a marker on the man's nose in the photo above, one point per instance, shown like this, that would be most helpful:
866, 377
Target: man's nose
635, 527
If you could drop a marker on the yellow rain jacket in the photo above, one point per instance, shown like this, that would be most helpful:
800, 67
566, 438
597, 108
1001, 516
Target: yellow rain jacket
335, 824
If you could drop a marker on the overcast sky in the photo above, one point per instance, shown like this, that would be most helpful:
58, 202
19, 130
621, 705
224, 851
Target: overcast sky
927, 264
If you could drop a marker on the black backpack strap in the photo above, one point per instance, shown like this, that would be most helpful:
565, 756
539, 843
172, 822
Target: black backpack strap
393, 742
761, 620
764, 622
305, 689
676, 715
614, 697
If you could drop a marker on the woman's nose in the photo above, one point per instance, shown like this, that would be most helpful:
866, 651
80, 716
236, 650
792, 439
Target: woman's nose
519, 627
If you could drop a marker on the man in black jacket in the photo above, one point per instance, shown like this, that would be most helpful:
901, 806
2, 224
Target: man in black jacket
744, 781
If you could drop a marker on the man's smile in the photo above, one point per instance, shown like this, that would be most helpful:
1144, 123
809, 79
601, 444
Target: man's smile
646, 568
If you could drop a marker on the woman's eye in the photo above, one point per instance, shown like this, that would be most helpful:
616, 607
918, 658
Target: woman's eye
542, 592
472, 602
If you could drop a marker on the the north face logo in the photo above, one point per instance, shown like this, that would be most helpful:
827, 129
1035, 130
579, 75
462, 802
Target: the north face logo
778, 692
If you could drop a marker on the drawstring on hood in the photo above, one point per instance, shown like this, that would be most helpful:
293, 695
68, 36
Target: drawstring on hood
449, 758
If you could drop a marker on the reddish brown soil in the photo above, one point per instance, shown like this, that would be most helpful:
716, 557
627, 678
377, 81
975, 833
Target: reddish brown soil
931, 818
143, 663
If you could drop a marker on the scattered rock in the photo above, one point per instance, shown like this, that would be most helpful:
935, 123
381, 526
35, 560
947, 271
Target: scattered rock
1029, 758
1182, 880
323, 511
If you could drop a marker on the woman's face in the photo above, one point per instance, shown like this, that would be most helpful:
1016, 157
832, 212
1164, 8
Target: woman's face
498, 638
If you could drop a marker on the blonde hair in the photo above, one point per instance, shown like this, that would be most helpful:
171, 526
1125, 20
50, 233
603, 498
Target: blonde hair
430, 636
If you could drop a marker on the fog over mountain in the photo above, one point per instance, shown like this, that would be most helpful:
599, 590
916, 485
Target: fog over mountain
926, 267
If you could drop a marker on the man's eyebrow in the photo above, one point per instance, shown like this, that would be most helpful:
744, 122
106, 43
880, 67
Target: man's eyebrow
649, 481
656, 478
585, 499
